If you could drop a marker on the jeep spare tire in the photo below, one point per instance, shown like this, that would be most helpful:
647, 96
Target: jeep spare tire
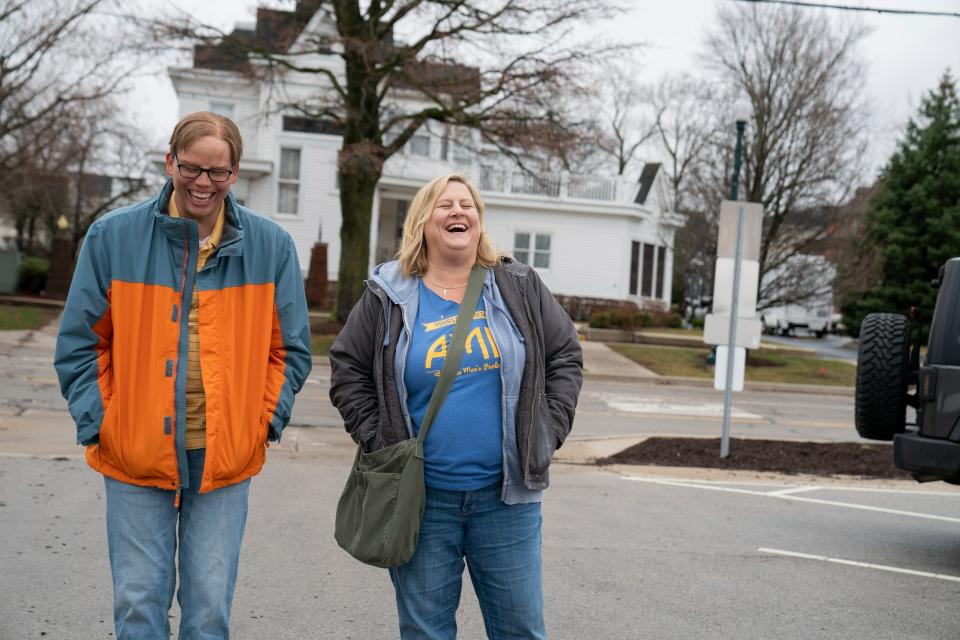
882, 368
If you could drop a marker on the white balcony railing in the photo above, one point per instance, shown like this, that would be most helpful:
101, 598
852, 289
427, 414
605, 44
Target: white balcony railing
555, 186
561, 186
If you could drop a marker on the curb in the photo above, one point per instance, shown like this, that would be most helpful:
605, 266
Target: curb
31, 301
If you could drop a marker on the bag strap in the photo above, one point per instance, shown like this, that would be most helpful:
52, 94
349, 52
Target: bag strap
451, 361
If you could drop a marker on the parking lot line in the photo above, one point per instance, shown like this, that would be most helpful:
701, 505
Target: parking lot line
814, 424
863, 565
779, 495
791, 490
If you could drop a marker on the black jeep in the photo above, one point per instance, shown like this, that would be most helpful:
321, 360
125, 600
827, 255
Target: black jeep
889, 368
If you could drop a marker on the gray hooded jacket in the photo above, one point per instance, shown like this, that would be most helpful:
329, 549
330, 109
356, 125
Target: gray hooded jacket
367, 359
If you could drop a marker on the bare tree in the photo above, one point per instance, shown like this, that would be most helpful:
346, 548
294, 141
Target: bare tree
801, 75
628, 117
53, 56
686, 124
88, 164
403, 63
59, 124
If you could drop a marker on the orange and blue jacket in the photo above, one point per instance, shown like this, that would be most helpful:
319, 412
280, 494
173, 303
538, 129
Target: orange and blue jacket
121, 354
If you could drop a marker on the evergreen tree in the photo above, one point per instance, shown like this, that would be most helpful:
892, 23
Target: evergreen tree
914, 222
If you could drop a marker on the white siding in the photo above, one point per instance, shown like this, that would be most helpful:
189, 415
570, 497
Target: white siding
590, 241
319, 204
589, 252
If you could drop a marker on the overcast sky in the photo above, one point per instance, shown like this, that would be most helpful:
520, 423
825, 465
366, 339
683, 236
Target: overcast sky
905, 55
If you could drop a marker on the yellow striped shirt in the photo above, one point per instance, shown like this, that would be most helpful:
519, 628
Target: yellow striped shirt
196, 400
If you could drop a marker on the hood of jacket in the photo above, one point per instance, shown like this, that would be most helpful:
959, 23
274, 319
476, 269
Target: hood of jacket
400, 288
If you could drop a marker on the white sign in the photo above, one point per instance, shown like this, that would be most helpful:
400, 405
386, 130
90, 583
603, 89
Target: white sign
752, 226
723, 287
716, 330
720, 369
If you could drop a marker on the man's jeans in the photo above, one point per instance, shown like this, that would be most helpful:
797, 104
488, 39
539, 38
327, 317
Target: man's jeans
501, 544
143, 529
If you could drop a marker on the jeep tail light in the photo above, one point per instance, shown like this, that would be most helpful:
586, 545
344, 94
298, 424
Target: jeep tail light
927, 383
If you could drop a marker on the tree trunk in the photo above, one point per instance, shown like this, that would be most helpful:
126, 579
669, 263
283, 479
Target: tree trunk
360, 168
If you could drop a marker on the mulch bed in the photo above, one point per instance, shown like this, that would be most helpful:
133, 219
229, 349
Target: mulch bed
815, 458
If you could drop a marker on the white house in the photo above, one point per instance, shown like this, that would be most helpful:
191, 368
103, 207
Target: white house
591, 236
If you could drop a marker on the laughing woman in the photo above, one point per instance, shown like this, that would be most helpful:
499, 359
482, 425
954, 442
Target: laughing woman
510, 407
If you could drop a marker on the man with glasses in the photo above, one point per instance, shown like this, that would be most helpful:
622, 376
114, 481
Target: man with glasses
182, 343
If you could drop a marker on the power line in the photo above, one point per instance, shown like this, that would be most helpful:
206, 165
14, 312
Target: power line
843, 7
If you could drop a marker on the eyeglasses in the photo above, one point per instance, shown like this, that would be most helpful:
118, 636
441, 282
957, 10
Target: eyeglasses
191, 172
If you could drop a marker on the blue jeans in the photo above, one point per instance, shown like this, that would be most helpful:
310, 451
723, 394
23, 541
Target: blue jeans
143, 531
501, 544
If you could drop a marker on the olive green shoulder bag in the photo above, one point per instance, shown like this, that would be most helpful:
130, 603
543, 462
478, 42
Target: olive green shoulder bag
380, 510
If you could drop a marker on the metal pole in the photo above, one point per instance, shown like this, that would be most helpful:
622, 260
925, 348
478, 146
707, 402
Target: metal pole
734, 302
737, 154
731, 342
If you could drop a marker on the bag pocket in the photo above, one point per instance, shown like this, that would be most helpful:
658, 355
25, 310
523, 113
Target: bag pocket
379, 512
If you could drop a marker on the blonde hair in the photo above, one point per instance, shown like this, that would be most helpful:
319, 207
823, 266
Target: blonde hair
205, 123
413, 248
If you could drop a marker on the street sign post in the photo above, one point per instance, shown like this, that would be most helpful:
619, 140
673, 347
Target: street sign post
736, 279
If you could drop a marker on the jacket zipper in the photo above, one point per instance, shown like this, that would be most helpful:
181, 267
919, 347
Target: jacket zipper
183, 297
536, 386
503, 414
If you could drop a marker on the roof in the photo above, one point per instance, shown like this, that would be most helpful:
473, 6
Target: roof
274, 32
277, 30
647, 177
438, 75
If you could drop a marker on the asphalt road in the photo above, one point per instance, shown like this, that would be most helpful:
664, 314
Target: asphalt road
625, 557
629, 552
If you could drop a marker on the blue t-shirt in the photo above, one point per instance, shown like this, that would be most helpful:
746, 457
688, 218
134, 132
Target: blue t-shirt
463, 451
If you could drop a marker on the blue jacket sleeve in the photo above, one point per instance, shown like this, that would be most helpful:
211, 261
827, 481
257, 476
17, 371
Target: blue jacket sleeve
293, 351
82, 354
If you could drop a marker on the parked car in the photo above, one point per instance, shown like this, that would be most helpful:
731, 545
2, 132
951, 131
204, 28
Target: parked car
891, 376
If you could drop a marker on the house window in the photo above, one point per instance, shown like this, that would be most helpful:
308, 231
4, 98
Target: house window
288, 194
419, 144
532, 248
463, 150
312, 125
634, 266
647, 267
402, 207
661, 251
222, 108
646, 283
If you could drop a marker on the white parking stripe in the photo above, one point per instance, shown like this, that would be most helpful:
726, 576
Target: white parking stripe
778, 496
864, 565
630, 403
789, 490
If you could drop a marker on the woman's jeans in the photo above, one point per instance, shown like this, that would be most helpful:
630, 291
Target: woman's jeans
501, 544
143, 531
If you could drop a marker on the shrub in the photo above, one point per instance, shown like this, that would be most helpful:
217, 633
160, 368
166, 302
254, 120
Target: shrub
628, 319
33, 275
666, 319
599, 320
632, 319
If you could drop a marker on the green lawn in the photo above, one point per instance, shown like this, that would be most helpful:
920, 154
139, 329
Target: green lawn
15, 317
761, 367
